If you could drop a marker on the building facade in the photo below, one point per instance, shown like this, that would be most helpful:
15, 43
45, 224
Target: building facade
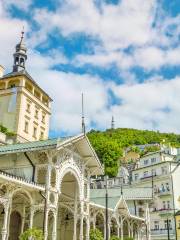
25, 108
160, 170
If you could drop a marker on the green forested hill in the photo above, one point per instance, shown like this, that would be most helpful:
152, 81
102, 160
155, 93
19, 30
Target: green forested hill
109, 144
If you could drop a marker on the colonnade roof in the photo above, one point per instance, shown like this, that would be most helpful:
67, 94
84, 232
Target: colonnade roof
114, 194
81, 142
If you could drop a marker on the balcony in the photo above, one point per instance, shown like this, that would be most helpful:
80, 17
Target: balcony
163, 211
162, 231
164, 192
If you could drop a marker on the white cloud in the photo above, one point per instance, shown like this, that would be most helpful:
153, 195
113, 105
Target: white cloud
156, 101
150, 105
21, 4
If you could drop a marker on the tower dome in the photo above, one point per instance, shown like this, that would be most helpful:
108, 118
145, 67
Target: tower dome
20, 56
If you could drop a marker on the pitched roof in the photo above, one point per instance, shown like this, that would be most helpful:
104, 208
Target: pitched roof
114, 194
36, 145
82, 143
24, 73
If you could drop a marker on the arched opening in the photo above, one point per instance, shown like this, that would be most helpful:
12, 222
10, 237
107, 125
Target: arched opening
100, 222
15, 225
20, 213
17, 60
114, 227
1, 216
22, 61
125, 228
68, 208
37, 220
13, 83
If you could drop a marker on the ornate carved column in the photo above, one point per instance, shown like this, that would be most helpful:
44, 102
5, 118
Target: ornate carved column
4, 231
122, 233
75, 215
87, 227
118, 230
46, 225
81, 221
109, 230
129, 229
46, 202
31, 217
23, 219
54, 231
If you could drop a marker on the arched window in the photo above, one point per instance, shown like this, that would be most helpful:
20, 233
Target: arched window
22, 61
16, 60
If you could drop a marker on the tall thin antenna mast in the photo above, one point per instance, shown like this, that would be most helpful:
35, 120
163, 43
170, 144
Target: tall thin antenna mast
112, 123
83, 122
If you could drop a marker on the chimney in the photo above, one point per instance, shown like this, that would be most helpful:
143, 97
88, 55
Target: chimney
1, 71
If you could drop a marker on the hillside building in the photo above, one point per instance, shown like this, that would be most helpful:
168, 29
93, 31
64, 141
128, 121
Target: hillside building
161, 171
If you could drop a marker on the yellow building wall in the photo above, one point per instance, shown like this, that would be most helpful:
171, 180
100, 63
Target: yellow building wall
15, 94
8, 103
178, 227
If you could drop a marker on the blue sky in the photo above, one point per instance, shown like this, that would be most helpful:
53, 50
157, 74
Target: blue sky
123, 54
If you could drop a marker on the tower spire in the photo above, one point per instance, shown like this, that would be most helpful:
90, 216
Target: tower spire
112, 123
83, 121
20, 55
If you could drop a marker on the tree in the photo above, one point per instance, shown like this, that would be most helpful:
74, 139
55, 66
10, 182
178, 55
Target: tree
95, 234
34, 234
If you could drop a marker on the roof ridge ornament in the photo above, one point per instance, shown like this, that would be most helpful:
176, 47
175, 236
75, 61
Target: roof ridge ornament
22, 35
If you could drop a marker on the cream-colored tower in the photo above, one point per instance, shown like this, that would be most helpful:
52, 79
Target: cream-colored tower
25, 108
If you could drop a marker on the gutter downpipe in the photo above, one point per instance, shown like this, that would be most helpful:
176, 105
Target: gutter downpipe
45, 208
33, 166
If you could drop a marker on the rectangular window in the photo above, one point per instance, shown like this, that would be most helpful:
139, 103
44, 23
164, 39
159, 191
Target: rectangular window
35, 132
153, 160
153, 172
164, 170
146, 162
145, 174
26, 126
164, 204
166, 225
156, 225
136, 176
43, 117
36, 113
168, 205
28, 108
167, 187
42, 136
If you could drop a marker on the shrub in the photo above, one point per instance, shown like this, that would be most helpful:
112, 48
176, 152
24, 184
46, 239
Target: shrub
115, 238
95, 234
34, 234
